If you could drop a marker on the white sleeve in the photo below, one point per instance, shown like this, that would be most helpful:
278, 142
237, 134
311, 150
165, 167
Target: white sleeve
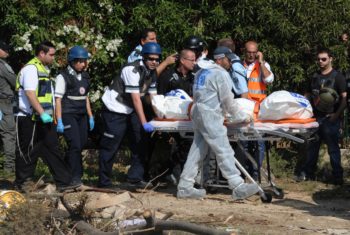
152, 88
269, 79
30, 78
60, 87
131, 80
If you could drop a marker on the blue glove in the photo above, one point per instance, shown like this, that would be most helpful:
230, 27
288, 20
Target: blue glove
60, 126
148, 127
46, 118
91, 123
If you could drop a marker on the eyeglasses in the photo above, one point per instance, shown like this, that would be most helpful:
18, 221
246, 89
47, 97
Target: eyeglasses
324, 59
152, 59
192, 60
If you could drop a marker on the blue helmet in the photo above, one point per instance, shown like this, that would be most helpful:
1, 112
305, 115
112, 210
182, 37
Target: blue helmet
77, 52
151, 48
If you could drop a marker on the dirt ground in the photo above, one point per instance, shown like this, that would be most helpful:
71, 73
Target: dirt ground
307, 208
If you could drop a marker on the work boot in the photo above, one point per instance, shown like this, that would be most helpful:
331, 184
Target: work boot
244, 191
191, 193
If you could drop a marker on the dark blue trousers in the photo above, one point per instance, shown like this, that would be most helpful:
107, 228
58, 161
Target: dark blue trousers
75, 133
116, 126
45, 145
328, 132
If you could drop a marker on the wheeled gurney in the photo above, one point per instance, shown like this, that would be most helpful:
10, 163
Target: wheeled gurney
297, 130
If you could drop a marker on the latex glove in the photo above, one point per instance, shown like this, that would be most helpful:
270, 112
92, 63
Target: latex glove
148, 127
60, 126
46, 118
91, 123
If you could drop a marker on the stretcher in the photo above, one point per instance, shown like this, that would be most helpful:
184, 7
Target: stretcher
297, 130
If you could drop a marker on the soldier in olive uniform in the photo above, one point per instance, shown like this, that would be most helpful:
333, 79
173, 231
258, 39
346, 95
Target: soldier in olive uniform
7, 123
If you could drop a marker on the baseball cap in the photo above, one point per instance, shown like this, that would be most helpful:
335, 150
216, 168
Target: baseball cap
221, 52
4, 46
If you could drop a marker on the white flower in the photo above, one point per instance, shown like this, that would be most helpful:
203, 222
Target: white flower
34, 27
94, 96
28, 47
111, 54
60, 45
59, 32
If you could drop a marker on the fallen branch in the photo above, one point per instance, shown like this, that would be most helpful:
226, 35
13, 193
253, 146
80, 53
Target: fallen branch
159, 225
88, 229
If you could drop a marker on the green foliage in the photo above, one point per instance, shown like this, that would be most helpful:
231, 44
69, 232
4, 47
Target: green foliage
283, 162
288, 32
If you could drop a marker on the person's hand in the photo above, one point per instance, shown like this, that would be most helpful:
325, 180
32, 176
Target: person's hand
260, 57
46, 118
91, 123
148, 127
60, 126
171, 59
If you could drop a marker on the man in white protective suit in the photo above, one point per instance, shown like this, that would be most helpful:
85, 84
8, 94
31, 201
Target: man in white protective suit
212, 98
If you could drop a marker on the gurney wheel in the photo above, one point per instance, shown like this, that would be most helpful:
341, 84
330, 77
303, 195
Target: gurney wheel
278, 193
266, 197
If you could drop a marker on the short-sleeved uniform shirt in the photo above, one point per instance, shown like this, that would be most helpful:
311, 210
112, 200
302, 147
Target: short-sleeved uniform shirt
131, 79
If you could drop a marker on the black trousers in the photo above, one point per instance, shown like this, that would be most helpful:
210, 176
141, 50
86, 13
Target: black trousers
45, 145
75, 133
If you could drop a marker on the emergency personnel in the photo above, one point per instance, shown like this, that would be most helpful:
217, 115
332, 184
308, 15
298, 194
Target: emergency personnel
237, 71
259, 76
212, 97
179, 77
146, 35
328, 96
224, 57
7, 121
73, 111
36, 132
150, 35
172, 145
123, 112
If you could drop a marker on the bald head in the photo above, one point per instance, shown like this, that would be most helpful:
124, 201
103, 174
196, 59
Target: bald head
251, 49
187, 60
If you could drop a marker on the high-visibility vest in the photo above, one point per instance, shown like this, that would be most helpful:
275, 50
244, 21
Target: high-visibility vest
256, 86
43, 90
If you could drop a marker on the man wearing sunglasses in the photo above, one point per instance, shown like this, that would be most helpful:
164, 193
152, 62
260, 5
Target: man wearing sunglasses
327, 92
123, 112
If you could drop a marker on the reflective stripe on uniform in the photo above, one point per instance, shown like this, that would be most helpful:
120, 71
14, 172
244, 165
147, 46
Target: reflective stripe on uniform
76, 97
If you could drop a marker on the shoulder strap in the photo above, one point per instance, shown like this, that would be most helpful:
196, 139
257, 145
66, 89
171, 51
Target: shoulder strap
68, 78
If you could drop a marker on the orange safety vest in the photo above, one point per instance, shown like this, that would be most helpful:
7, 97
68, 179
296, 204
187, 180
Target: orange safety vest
256, 86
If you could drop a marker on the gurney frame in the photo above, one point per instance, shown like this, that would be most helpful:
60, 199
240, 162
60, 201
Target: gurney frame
249, 133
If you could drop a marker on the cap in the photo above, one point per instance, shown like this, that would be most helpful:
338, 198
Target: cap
221, 52
4, 46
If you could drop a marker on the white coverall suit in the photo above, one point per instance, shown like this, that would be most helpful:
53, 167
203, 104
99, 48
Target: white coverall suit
212, 98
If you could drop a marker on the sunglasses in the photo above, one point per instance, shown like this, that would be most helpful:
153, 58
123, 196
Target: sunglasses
322, 59
152, 59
